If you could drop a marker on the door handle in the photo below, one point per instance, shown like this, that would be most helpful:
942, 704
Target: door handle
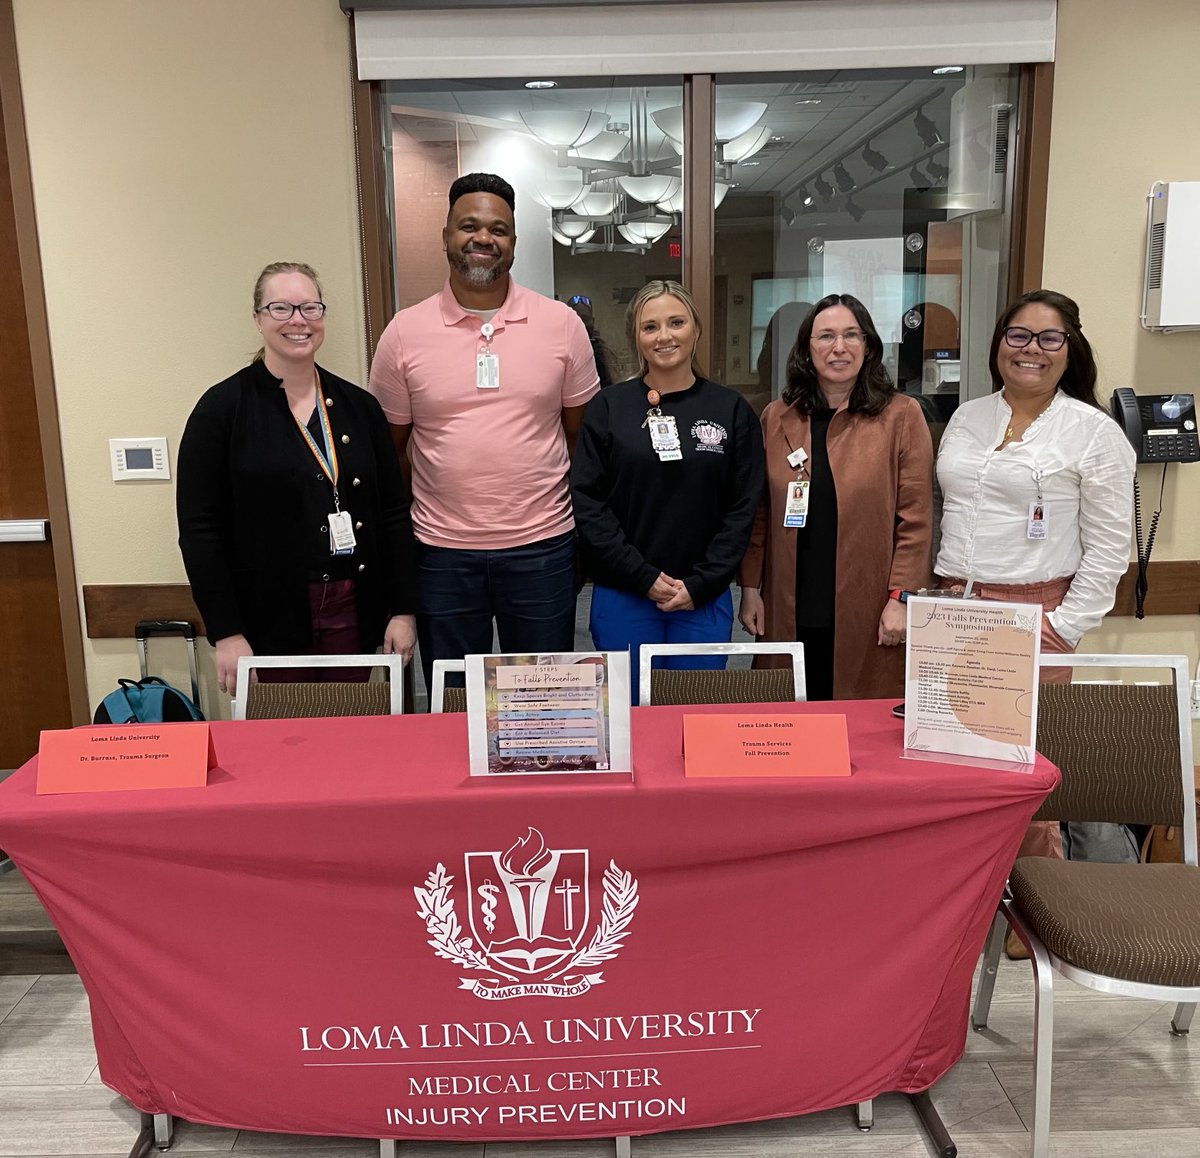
24, 530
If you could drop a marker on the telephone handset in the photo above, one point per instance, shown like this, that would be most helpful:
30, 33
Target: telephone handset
1162, 427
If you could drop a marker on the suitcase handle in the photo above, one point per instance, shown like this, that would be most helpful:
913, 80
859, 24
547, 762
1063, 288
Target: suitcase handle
146, 628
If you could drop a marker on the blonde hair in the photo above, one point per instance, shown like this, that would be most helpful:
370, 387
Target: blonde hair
269, 271
660, 289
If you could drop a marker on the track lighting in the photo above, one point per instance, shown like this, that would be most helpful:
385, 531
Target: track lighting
787, 215
855, 210
841, 175
927, 130
919, 180
874, 158
937, 171
822, 188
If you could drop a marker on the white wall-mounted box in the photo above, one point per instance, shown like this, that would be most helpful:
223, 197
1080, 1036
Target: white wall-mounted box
1171, 293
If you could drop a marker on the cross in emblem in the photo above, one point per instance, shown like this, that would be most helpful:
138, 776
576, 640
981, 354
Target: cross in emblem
567, 891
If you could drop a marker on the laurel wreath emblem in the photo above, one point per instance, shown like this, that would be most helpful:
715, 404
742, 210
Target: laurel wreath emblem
435, 906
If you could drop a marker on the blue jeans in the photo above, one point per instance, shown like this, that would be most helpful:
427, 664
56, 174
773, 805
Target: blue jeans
529, 591
622, 621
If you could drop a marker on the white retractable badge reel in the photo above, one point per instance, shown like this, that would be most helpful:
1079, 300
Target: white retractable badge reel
487, 361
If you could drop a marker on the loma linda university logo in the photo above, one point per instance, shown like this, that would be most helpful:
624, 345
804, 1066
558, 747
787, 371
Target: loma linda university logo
529, 911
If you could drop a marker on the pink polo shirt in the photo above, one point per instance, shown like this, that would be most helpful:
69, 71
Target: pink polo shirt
489, 467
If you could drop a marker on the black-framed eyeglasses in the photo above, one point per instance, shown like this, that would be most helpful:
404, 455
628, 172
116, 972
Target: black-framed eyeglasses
282, 311
579, 300
1049, 340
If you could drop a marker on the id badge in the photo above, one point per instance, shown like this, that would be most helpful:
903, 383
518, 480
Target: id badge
341, 533
1035, 527
664, 439
487, 370
795, 511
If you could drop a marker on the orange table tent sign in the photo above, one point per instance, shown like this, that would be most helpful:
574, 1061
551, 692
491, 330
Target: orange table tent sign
765, 745
117, 758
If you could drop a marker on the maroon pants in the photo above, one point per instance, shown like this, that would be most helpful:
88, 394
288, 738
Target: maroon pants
335, 631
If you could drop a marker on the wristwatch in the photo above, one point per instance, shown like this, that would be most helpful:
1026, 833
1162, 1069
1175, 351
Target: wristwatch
900, 596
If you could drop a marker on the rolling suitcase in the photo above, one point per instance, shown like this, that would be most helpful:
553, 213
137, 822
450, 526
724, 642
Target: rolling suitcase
152, 700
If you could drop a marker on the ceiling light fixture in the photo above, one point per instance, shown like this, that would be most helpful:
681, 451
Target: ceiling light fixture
927, 130
875, 158
539, 84
841, 175
809, 101
947, 69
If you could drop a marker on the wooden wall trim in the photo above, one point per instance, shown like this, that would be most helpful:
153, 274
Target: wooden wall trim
699, 191
1173, 588
30, 258
112, 609
375, 244
1031, 180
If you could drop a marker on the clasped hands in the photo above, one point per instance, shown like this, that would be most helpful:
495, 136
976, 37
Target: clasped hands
670, 594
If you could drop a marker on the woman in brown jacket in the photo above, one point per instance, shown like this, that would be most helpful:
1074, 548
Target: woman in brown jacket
845, 524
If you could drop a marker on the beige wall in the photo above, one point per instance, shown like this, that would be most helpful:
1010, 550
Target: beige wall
1126, 95
176, 147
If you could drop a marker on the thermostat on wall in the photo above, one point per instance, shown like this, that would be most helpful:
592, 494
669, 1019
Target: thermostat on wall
138, 458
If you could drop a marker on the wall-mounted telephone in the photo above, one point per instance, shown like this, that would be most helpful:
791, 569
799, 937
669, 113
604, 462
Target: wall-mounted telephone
1162, 427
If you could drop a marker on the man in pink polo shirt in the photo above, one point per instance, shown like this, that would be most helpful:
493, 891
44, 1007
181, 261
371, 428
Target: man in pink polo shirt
485, 385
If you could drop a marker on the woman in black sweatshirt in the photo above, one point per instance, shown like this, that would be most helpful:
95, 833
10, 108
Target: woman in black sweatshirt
667, 474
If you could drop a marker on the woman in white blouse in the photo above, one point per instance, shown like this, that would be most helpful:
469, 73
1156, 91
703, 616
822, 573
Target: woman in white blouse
1037, 484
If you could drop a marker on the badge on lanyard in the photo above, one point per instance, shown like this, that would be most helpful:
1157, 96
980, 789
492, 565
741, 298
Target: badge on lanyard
795, 509
1035, 527
664, 438
341, 526
341, 534
487, 361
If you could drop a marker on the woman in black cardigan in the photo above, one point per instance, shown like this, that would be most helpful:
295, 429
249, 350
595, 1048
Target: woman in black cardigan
293, 520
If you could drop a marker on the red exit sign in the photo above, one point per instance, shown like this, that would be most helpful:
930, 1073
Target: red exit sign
674, 249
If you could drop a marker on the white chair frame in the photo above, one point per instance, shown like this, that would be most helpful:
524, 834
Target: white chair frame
437, 692
649, 651
393, 664
1046, 963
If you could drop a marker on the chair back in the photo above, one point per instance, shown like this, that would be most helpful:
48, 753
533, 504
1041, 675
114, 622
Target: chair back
1124, 750
300, 700
774, 685
256, 700
442, 698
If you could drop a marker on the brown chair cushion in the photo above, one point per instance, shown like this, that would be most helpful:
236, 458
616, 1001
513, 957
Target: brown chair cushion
290, 701
454, 699
1133, 922
733, 686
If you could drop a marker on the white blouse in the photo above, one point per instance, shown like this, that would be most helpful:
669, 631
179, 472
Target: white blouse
1077, 465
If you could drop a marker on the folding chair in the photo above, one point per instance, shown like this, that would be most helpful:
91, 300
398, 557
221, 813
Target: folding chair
1125, 754
442, 698
728, 686
283, 701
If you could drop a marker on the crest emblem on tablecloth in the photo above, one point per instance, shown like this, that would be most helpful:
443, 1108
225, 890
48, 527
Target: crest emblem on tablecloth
529, 914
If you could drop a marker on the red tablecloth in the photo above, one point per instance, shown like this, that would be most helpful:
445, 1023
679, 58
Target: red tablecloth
344, 934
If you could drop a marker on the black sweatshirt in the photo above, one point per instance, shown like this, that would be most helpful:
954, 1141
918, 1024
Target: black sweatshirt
637, 516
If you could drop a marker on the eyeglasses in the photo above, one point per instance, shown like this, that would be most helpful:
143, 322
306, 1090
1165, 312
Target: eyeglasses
579, 300
850, 337
282, 311
1049, 340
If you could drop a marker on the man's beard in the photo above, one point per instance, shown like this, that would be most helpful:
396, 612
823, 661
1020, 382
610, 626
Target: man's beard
478, 276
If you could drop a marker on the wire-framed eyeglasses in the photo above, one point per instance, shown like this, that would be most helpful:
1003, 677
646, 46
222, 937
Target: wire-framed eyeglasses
283, 311
1049, 340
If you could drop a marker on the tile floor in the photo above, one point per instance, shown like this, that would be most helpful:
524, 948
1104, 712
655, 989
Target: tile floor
1123, 1085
